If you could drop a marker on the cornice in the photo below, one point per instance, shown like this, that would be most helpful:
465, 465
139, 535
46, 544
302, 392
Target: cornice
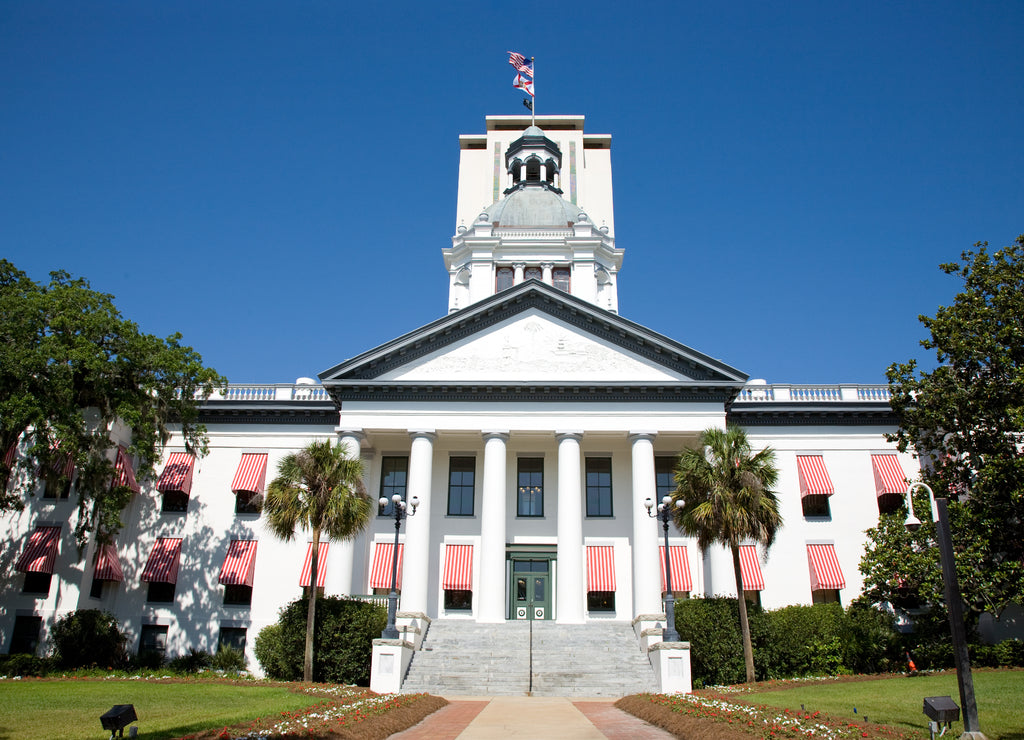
530, 392
817, 414
268, 412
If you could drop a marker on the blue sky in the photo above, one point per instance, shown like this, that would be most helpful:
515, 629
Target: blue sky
276, 180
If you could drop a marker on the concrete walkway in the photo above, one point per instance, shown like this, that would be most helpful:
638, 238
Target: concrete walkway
531, 718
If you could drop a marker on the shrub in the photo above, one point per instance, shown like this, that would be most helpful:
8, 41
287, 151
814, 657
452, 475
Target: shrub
874, 644
342, 641
271, 652
228, 659
712, 627
89, 637
24, 664
191, 662
801, 641
146, 660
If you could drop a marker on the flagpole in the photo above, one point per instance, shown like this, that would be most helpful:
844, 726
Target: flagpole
533, 108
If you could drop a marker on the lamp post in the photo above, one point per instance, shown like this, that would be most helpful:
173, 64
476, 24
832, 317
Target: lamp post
664, 513
400, 512
940, 515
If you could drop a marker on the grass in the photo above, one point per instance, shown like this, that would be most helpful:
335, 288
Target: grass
897, 701
70, 708
887, 708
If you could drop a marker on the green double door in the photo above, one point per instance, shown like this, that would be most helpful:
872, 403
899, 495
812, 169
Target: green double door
531, 588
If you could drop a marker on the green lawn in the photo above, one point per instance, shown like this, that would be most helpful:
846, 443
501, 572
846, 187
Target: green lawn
72, 709
898, 701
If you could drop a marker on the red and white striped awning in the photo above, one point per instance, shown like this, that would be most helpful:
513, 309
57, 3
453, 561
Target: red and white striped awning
814, 480
11, 453
251, 473
62, 465
889, 476
458, 568
124, 474
750, 569
321, 565
108, 565
40, 552
162, 566
600, 568
177, 475
824, 566
240, 564
680, 563
380, 574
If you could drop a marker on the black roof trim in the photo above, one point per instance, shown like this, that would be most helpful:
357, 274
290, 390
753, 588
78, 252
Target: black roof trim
268, 412
532, 392
803, 414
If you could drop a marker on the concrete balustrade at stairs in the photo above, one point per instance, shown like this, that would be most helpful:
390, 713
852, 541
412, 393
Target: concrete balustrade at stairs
587, 660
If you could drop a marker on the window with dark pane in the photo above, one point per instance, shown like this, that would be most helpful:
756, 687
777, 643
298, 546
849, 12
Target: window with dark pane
664, 476
394, 477
530, 475
599, 486
504, 278
461, 480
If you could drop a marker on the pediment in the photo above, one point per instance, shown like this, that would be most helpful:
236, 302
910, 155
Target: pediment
535, 347
536, 334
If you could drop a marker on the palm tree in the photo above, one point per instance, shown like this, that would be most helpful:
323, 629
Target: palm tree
319, 488
728, 499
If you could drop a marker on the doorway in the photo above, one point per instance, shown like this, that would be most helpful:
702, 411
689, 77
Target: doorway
531, 588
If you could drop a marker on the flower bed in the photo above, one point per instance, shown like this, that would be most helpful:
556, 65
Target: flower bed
716, 716
345, 712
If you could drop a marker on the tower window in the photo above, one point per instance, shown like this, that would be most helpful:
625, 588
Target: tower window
533, 273
533, 170
504, 279
560, 278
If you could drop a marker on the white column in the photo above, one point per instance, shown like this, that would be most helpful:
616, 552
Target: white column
493, 507
646, 569
571, 580
543, 173
417, 557
517, 276
346, 550
546, 274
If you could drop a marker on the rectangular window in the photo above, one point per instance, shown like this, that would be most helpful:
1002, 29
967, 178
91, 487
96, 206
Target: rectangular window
160, 593
530, 474
664, 476
458, 599
599, 486
37, 583
825, 596
248, 502
560, 278
57, 488
96, 592
176, 502
237, 595
25, 636
232, 637
394, 478
600, 601
461, 478
815, 506
153, 638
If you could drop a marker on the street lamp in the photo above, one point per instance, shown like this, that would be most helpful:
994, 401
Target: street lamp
401, 512
940, 515
664, 513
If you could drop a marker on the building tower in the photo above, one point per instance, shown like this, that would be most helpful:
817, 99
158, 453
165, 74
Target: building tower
540, 184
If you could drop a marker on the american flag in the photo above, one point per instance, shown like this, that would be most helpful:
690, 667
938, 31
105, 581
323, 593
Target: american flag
519, 62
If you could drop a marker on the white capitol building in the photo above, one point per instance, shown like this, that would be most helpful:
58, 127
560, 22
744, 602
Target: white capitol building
531, 420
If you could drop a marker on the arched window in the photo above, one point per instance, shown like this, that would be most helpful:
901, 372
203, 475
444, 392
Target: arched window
533, 170
504, 279
532, 273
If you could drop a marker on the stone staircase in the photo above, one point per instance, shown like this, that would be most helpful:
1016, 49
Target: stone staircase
465, 658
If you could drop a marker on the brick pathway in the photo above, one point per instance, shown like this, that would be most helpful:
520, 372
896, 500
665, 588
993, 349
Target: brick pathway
531, 718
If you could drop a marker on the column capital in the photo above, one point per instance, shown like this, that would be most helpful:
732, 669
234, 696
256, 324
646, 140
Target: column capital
641, 436
568, 435
487, 434
347, 432
423, 433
